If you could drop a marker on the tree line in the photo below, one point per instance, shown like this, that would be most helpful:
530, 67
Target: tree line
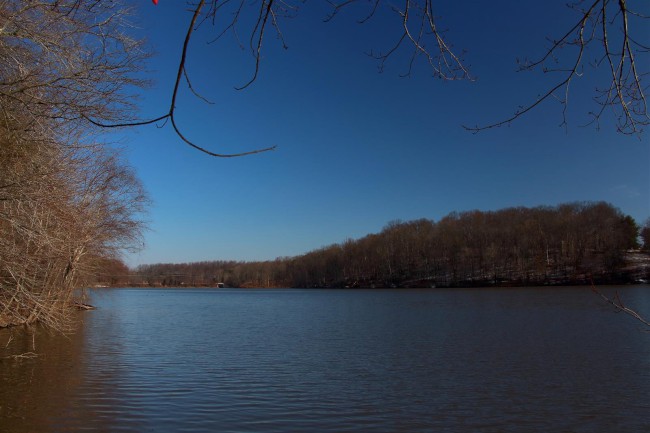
566, 244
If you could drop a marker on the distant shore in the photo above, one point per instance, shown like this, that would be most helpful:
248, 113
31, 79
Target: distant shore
569, 244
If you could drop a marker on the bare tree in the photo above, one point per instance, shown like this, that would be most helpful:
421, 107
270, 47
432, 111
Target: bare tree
66, 211
64, 62
65, 199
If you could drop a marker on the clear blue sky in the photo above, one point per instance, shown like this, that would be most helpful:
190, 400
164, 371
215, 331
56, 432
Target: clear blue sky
356, 148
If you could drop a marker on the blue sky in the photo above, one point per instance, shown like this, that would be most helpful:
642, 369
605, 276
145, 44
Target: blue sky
357, 148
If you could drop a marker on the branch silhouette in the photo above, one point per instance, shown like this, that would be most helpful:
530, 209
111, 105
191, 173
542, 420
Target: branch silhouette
625, 93
617, 303
602, 29
171, 114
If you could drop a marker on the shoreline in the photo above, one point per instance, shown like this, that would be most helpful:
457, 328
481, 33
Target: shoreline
415, 287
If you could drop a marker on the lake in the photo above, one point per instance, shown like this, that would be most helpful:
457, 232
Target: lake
440, 360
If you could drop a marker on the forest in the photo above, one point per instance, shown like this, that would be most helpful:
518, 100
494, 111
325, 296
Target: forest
573, 243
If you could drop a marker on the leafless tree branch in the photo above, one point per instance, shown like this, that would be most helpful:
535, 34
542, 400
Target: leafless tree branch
171, 114
419, 30
624, 94
617, 303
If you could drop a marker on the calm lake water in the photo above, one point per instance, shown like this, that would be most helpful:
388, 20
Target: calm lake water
205, 360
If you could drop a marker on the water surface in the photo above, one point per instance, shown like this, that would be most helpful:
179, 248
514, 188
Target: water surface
206, 360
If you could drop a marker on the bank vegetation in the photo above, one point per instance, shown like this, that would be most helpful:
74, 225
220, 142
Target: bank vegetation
68, 201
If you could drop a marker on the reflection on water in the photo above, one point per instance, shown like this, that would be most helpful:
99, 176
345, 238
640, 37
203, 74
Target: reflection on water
326, 360
39, 371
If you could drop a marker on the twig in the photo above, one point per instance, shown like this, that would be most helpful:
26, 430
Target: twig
26, 355
618, 304
172, 106
625, 92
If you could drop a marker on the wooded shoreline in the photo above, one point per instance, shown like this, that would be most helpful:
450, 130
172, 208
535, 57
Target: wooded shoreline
583, 280
570, 244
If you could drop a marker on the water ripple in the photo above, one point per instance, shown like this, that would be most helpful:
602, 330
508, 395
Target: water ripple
340, 361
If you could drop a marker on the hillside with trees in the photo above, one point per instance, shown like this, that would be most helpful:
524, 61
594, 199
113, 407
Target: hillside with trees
572, 243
